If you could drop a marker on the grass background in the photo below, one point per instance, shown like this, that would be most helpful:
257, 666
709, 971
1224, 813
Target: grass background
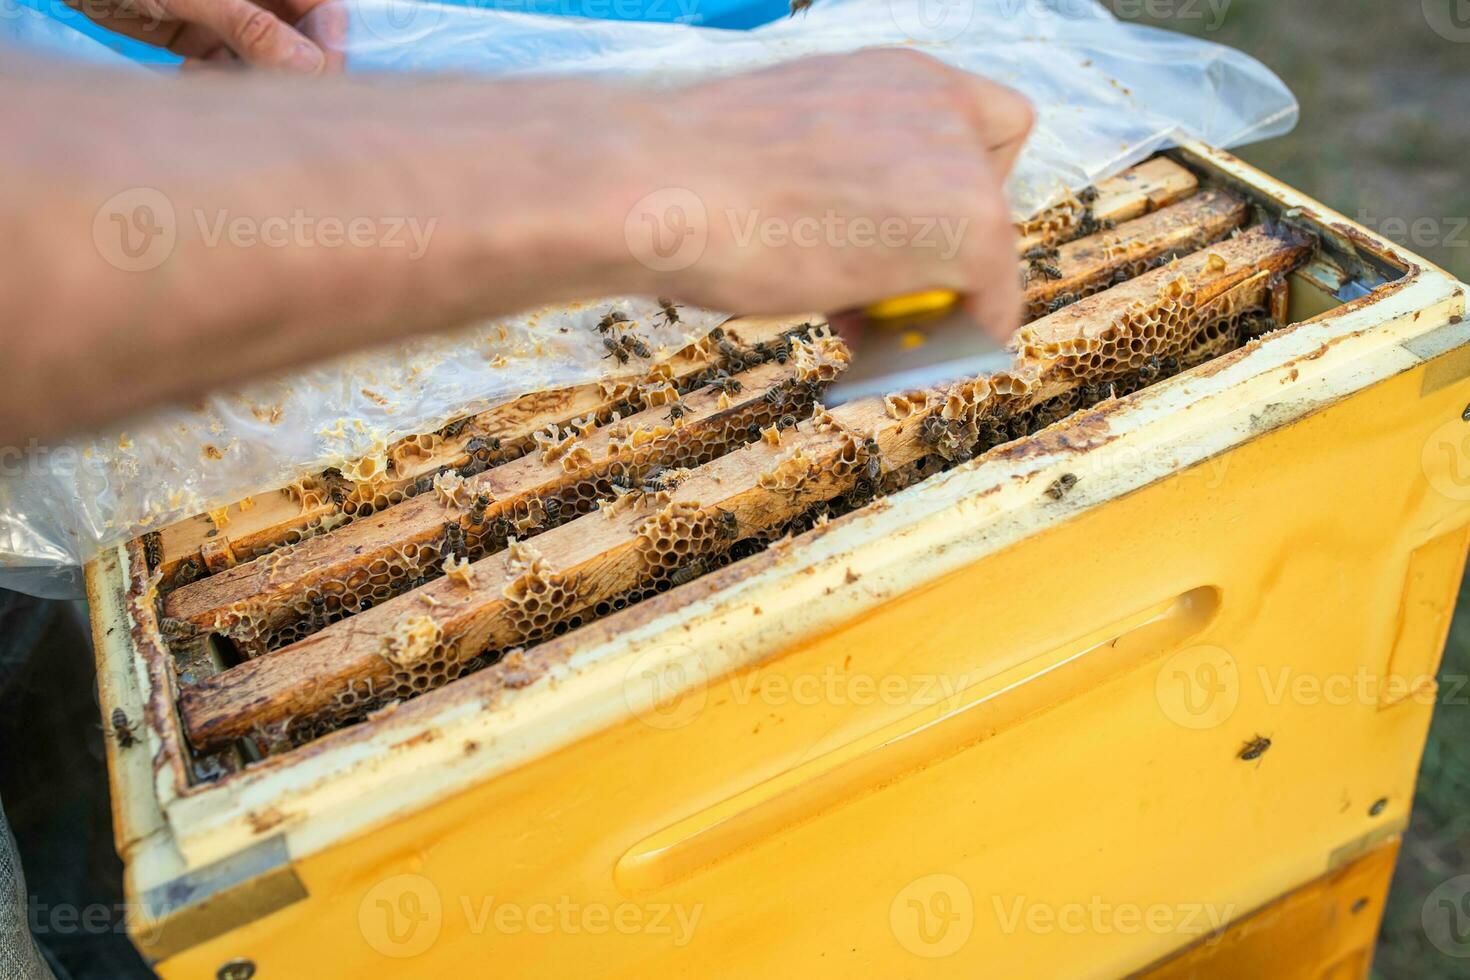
1385, 139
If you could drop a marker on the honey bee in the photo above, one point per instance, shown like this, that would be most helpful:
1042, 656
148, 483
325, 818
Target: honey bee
454, 428
635, 345
478, 447
798, 6
1150, 370
189, 570
477, 511
317, 617
453, 539
1257, 326
781, 350
1064, 300
1061, 486
933, 430
153, 549
611, 320
123, 730
731, 353
615, 350
1049, 270
1088, 195
685, 574
1039, 253
552, 506
1088, 224
1091, 223
670, 310
1253, 749
654, 481
717, 334
729, 524
723, 382
873, 459
677, 411
774, 397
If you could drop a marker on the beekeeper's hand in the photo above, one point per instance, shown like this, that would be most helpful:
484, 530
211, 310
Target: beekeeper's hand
215, 228
251, 32
834, 181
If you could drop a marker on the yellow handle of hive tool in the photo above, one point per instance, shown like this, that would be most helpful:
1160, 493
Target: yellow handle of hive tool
913, 304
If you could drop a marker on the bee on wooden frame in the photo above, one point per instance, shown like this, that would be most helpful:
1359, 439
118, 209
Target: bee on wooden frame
1061, 486
125, 731
872, 459
723, 382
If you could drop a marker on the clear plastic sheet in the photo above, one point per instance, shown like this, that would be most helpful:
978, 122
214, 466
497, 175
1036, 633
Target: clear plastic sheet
1108, 95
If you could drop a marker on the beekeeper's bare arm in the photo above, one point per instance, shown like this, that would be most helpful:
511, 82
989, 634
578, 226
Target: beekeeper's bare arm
165, 237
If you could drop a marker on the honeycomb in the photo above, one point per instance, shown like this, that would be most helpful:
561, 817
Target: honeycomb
538, 597
579, 468
1056, 277
636, 469
474, 444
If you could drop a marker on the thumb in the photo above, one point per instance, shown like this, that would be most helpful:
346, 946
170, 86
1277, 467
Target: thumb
257, 36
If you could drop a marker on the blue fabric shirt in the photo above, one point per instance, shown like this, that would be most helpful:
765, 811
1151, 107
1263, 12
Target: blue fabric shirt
57, 27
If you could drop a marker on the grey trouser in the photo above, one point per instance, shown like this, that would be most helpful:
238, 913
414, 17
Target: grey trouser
19, 958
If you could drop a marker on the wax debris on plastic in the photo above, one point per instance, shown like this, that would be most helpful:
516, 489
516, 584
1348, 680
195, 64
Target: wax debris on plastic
68, 501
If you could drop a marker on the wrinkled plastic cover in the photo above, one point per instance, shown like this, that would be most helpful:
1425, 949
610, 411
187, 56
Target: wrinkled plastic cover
1108, 95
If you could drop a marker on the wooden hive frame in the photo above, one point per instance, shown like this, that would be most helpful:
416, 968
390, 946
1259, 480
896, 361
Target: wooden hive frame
249, 528
335, 671
1123, 286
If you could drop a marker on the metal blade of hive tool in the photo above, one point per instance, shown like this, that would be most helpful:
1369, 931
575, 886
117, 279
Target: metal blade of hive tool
917, 352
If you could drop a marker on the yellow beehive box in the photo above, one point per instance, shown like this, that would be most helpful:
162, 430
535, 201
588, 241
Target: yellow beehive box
1146, 690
